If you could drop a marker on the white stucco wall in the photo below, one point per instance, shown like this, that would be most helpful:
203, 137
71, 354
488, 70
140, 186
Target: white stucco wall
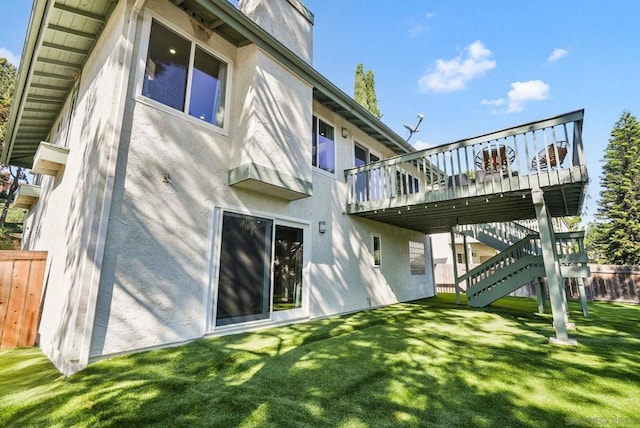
271, 114
289, 21
171, 176
155, 285
65, 220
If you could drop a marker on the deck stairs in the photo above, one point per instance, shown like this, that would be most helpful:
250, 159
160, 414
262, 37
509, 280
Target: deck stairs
519, 261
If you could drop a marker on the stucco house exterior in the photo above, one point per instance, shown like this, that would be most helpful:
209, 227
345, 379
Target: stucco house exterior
195, 177
202, 188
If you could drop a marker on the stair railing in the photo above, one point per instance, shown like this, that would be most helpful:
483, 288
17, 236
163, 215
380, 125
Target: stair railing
530, 246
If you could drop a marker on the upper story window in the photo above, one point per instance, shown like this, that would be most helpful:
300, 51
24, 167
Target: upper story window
363, 156
183, 76
324, 146
368, 183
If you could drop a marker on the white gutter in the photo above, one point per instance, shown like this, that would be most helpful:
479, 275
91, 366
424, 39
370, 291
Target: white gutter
107, 197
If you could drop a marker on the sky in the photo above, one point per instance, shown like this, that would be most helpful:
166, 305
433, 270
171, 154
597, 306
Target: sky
470, 66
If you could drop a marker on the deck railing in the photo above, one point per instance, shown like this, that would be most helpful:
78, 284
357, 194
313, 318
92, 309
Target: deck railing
531, 155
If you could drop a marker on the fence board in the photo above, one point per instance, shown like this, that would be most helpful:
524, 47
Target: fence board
15, 308
31, 306
21, 276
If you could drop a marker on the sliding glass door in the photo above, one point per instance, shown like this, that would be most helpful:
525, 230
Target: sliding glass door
245, 265
288, 264
261, 270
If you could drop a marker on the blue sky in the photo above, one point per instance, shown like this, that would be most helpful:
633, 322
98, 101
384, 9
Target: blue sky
470, 67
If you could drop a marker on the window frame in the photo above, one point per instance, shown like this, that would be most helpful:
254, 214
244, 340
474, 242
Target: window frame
143, 51
376, 263
369, 190
369, 153
212, 275
314, 121
414, 247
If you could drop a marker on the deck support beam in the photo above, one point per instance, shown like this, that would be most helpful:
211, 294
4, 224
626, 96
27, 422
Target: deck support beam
455, 264
542, 302
552, 268
583, 297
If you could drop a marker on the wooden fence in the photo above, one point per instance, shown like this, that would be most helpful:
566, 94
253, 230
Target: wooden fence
21, 277
607, 282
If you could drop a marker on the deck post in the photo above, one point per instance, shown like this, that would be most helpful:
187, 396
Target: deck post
552, 269
455, 265
467, 253
540, 295
583, 297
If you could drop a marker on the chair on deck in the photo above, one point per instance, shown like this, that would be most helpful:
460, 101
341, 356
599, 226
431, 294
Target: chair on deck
495, 158
495, 163
540, 162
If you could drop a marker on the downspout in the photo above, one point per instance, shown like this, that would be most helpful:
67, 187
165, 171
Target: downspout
107, 197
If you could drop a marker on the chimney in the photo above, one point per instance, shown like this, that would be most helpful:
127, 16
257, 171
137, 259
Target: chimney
289, 21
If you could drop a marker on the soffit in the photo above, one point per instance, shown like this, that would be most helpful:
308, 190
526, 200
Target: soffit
55, 54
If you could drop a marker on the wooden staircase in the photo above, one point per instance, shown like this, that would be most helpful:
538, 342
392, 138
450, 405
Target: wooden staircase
518, 263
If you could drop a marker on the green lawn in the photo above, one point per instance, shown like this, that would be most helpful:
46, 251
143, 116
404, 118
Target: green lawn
425, 363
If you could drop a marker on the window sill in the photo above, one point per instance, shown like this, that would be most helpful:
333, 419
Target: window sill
321, 171
179, 114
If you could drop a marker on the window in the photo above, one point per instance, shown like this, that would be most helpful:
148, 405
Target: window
261, 272
184, 76
368, 183
324, 146
416, 258
460, 257
377, 250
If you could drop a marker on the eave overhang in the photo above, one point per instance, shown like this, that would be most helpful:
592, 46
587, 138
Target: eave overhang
60, 37
62, 34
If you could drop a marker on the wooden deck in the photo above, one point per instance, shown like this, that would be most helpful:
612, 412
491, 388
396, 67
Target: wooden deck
483, 179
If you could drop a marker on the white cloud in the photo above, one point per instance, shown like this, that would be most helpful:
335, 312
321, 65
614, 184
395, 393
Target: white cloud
416, 30
520, 94
421, 145
557, 54
525, 92
454, 74
10, 56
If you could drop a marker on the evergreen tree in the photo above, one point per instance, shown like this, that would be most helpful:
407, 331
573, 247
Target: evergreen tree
360, 88
617, 233
372, 100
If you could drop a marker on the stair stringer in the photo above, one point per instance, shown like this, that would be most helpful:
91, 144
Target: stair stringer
505, 281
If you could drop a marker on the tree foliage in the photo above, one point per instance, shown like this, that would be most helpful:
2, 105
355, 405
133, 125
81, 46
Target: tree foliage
360, 87
372, 99
7, 85
8, 174
364, 91
615, 237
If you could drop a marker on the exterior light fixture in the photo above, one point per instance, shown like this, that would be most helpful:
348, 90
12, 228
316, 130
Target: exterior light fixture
344, 133
322, 226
